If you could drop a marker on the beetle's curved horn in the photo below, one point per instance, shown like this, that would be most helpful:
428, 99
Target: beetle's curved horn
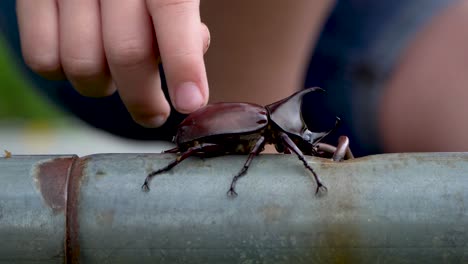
315, 138
287, 115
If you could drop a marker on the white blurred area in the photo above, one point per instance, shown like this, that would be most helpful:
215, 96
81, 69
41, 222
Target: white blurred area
69, 137
31, 125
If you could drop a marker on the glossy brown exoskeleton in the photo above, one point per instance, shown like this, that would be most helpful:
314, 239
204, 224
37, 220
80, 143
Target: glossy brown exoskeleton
243, 128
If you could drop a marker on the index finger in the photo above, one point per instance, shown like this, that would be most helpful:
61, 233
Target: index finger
177, 24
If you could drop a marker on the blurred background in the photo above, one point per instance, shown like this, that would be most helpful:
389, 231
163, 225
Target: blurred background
360, 51
30, 124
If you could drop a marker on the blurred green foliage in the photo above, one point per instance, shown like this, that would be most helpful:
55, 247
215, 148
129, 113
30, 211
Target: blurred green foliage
18, 100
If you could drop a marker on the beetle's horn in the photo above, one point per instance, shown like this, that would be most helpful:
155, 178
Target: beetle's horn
287, 113
314, 138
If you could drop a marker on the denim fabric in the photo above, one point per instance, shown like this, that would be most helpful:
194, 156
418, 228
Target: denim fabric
356, 53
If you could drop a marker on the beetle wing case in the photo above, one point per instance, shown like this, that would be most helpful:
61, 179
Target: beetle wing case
222, 118
287, 113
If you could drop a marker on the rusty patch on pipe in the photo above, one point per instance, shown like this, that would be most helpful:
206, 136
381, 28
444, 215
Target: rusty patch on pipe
7, 154
72, 245
272, 213
105, 218
51, 179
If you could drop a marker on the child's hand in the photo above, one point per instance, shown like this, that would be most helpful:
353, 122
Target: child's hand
101, 46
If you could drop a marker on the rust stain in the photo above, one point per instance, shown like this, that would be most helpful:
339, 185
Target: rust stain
105, 218
272, 213
100, 174
7, 154
347, 205
51, 179
72, 245
339, 244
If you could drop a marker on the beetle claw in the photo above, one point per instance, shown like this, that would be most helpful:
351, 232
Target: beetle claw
231, 193
145, 187
321, 190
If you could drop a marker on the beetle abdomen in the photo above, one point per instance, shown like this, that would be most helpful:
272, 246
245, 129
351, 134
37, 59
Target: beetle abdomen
228, 143
220, 119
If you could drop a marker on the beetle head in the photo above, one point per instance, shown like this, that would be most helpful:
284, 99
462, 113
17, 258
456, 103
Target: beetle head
287, 114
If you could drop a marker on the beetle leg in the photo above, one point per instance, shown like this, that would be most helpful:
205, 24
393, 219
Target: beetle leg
290, 144
340, 152
172, 150
254, 152
280, 148
191, 151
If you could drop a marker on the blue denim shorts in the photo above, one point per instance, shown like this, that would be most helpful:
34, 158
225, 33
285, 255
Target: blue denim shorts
355, 54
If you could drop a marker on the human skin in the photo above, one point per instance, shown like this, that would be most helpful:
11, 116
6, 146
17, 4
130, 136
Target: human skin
101, 46
424, 105
260, 49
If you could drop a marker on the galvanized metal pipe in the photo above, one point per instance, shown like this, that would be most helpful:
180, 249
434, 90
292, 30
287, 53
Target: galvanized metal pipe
385, 208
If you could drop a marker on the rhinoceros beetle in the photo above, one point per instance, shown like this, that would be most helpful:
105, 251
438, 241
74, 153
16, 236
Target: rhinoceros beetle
244, 128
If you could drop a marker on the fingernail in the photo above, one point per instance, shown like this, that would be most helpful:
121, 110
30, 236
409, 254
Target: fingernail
151, 122
188, 97
208, 42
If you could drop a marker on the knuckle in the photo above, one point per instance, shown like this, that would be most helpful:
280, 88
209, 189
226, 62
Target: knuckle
189, 63
92, 90
178, 5
128, 53
82, 67
142, 111
184, 55
42, 63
